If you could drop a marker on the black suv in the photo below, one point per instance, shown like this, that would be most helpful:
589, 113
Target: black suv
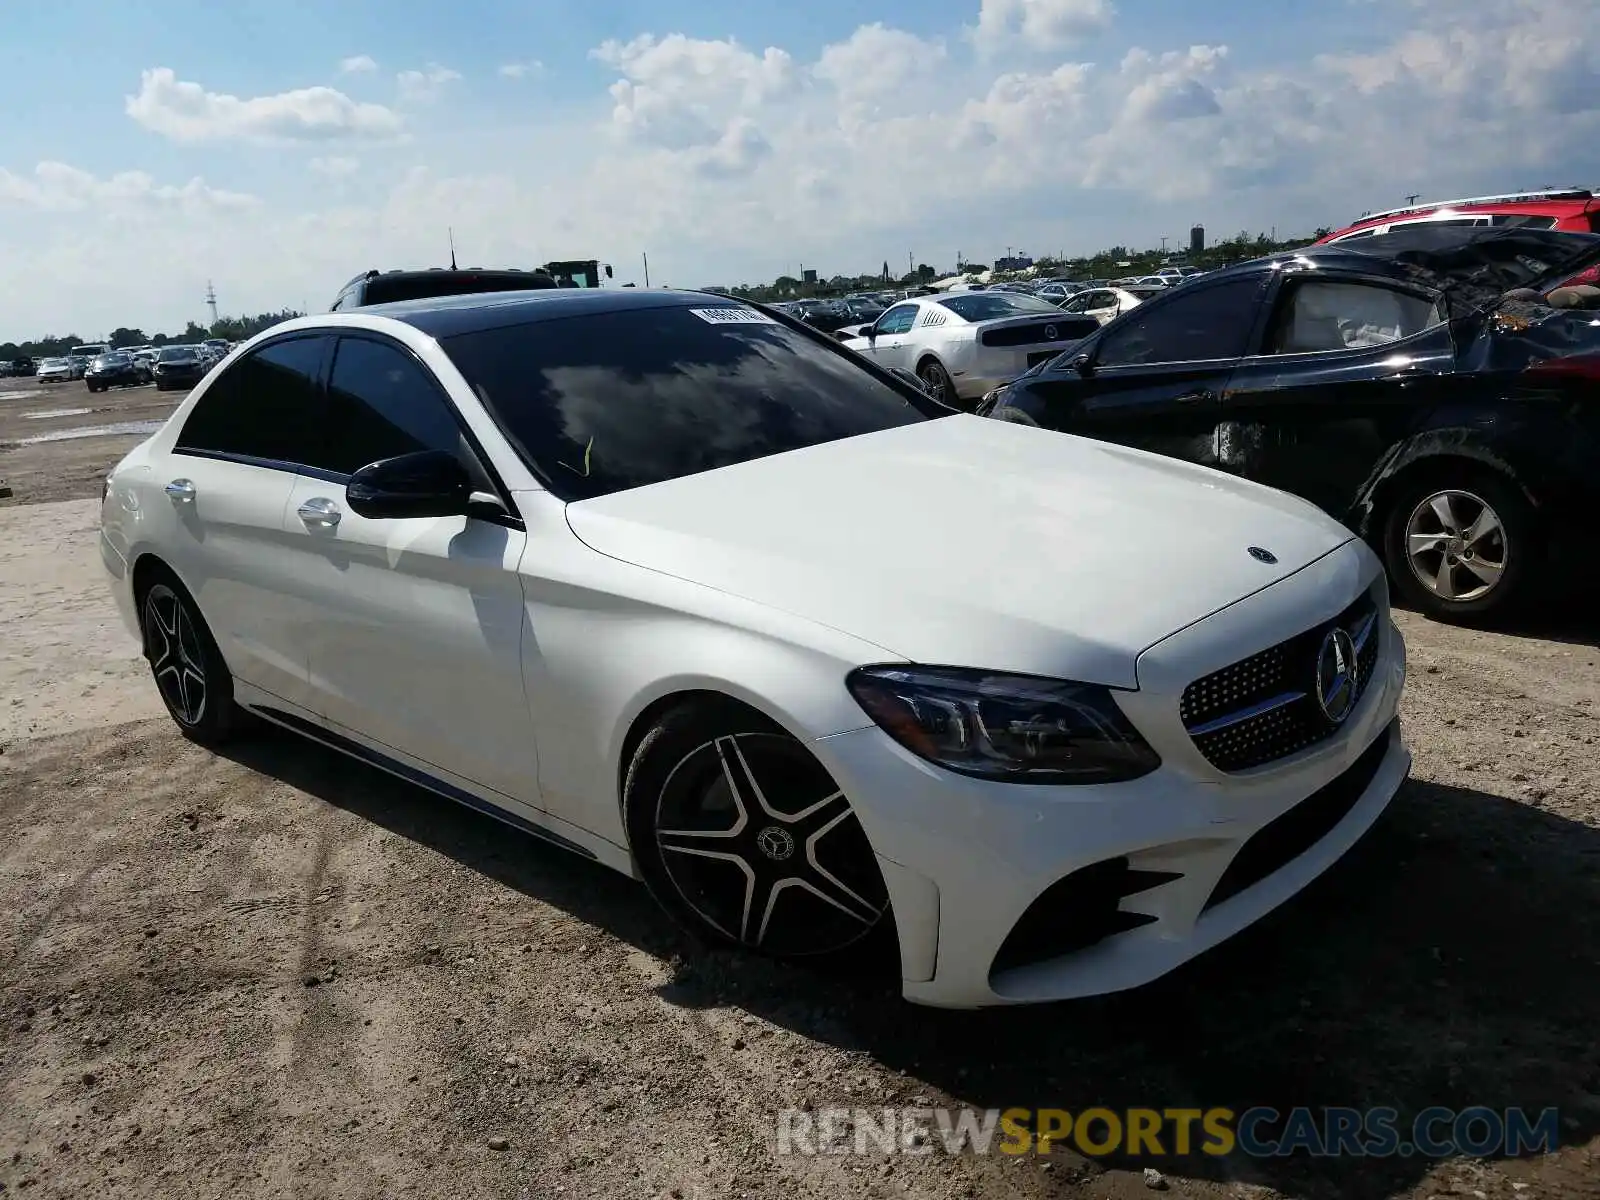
1427, 387
388, 287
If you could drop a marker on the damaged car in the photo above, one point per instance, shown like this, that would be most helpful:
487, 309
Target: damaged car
1437, 389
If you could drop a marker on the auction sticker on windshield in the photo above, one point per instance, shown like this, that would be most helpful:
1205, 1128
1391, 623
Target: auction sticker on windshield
732, 316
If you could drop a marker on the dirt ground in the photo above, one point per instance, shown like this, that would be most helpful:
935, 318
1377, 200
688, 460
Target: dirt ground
40, 471
278, 973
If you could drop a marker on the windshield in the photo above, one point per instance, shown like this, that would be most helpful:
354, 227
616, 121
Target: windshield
111, 360
603, 403
987, 306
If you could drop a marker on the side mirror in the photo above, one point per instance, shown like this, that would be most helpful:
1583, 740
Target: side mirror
913, 380
429, 483
1083, 364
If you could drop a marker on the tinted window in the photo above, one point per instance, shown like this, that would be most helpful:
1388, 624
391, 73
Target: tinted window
1319, 315
263, 406
898, 319
177, 355
602, 403
383, 402
1194, 324
386, 290
986, 306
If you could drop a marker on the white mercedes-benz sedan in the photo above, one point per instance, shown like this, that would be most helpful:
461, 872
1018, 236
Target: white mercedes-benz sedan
695, 592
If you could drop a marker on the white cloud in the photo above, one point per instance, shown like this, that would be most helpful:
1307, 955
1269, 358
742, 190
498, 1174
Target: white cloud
55, 187
730, 162
683, 93
1039, 25
427, 83
186, 112
335, 166
518, 70
358, 64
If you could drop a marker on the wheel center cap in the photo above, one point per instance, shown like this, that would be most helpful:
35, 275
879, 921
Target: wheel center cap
775, 843
1456, 546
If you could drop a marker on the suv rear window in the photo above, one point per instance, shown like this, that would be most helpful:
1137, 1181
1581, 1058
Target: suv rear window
384, 290
606, 402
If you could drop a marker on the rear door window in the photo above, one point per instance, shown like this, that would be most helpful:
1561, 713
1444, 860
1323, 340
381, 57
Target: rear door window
1322, 315
266, 407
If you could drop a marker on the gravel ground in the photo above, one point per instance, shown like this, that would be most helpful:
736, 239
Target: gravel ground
279, 973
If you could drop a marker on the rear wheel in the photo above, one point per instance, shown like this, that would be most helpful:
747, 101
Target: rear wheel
190, 674
744, 838
1459, 544
937, 381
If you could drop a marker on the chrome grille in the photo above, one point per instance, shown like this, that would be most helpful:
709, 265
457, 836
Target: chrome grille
1265, 707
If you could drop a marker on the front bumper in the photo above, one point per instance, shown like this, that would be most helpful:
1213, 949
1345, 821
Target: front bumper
966, 859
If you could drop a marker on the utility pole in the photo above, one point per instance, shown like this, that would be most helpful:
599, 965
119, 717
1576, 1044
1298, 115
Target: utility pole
911, 263
452, 234
1164, 245
646, 270
211, 302
1413, 197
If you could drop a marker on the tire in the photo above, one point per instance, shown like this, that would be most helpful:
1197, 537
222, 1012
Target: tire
1454, 575
938, 382
793, 878
184, 659
1014, 416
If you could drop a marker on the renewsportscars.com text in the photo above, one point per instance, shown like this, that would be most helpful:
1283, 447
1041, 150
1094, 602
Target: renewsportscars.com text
1476, 1132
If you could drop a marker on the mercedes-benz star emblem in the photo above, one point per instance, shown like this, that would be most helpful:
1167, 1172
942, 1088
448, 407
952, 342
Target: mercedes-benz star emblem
1336, 675
1262, 556
775, 843
1051, 333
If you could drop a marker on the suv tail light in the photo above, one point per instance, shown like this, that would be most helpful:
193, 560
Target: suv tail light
1569, 367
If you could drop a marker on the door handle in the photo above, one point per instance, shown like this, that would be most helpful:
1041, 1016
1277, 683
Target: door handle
320, 512
181, 490
1195, 397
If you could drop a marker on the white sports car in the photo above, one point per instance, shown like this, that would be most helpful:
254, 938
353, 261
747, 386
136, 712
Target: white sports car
703, 597
968, 343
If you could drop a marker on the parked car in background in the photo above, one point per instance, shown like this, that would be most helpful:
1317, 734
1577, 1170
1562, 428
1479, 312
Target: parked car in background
1569, 210
19, 368
77, 364
963, 345
1392, 382
55, 370
390, 287
1004, 746
1057, 291
178, 367
113, 370
1107, 303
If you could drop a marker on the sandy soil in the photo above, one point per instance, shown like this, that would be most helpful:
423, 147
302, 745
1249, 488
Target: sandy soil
278, 973
38, 472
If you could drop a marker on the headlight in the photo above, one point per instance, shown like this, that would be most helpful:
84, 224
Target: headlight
1013, 728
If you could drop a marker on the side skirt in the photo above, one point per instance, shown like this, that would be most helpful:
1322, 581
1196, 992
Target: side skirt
393, 766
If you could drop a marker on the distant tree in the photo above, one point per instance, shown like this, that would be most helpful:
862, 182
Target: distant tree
925, 273
123, 336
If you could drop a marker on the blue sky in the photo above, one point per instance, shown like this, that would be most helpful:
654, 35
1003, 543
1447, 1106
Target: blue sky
174, 143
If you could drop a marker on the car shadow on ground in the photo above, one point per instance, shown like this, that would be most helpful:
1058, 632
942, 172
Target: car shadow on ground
1449, 960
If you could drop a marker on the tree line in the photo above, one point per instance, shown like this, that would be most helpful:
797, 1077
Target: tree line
234, 329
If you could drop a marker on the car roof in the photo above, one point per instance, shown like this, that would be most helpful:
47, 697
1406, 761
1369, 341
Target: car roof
447, 316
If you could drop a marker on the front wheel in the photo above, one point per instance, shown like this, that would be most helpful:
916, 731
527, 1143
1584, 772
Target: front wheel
193, 680
745, 839
1459, 545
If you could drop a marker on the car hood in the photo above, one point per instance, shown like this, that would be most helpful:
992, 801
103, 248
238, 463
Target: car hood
964, 541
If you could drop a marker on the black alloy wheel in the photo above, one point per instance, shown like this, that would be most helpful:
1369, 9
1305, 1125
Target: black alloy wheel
744, 838
193, 680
